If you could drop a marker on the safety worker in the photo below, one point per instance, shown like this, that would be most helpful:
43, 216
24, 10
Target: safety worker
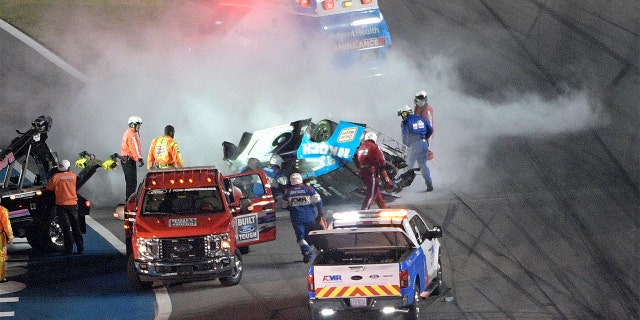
275, 176
164, 152
7, 237
371, 162
300, 199
416, 131
131, 153
63, 184
424, 109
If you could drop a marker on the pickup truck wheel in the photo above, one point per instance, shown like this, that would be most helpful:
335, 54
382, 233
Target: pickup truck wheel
236, 274
133, 277
438, 290
54, 235
414, 309
244, 250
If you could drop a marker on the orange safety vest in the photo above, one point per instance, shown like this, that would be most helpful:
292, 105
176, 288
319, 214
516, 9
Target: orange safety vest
131, 145
164, 153
64, 186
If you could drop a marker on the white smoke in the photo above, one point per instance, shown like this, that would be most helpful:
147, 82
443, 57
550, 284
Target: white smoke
212, 89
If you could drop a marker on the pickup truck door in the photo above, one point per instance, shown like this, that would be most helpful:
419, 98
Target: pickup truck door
258, 224
419, 227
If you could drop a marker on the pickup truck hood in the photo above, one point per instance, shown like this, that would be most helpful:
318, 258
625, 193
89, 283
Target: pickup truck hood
182, 226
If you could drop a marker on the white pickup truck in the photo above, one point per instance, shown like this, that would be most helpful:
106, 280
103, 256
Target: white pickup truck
378, 268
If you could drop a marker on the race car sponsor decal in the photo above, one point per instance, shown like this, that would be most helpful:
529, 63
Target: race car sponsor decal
358, 291
247, 228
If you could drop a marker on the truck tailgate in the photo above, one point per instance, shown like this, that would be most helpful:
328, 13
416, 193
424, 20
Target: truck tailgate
366, 280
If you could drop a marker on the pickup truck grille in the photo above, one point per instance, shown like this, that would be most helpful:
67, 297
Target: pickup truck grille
182, 249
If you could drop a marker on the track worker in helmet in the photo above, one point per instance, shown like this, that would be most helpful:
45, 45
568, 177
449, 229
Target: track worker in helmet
276, 176
164, 152
300, 199
424, 109
131, 154
7, 237
416, 131
63, 184
371, 162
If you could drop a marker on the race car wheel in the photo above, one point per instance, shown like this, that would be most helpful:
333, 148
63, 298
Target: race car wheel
439, 289
133, 277
323, 131
236, 274
414, 309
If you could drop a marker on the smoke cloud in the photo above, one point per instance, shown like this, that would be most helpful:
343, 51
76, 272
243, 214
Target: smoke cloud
211, 87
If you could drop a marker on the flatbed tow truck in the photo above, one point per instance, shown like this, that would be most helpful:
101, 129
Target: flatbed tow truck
25, 167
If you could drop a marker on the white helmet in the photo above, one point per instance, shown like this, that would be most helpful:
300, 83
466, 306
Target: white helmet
135, 120
276, 160
64, 165
421, 95
371, 136
295, 178
404, 109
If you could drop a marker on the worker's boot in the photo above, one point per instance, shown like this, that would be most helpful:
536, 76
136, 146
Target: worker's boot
307, 253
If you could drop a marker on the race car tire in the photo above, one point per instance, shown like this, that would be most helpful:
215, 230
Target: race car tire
236, 274
323, 131
414, 309
134, 278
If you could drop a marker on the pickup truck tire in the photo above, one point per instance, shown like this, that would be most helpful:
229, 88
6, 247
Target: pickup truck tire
133, 277
414, 309
244, 250
438, 290
236, 274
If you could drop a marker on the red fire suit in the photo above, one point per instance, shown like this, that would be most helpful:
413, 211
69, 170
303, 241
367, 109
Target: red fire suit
371, 161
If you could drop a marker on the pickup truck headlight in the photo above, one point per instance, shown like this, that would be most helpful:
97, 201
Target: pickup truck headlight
218, 245
148, 249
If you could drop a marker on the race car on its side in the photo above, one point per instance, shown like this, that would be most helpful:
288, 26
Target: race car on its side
323, 153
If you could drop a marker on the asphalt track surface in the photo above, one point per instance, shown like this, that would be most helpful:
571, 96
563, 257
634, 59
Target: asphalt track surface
548, 226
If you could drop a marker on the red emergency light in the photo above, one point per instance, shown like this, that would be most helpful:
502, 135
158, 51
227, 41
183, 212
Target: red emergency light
328, 4
302, 3
367, 1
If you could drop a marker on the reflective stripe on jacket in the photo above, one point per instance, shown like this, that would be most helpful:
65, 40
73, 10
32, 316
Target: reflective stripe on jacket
164, 153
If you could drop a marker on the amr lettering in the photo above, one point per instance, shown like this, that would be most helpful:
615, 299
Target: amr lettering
335, 277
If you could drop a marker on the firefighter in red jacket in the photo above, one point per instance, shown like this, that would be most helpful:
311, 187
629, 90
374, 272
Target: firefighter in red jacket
164, 152
424, 109
371, 163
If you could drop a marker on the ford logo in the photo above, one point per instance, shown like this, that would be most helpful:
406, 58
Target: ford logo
247, 228
182, 248
356, 278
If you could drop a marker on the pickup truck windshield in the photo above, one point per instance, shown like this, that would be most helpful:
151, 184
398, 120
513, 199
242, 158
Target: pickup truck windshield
183, 201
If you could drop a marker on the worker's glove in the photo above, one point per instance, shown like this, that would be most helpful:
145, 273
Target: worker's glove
80, 163
141, 163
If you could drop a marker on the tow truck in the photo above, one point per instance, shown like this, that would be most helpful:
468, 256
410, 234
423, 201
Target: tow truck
25, 167
374, 261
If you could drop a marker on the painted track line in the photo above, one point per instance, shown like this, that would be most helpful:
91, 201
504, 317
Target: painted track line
163, 301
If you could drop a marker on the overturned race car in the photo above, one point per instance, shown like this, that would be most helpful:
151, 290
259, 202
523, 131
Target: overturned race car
323, 153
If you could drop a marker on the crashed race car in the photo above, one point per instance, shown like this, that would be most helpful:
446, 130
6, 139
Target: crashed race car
323, 153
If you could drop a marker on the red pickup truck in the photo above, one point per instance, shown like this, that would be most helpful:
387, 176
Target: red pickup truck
191, 224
